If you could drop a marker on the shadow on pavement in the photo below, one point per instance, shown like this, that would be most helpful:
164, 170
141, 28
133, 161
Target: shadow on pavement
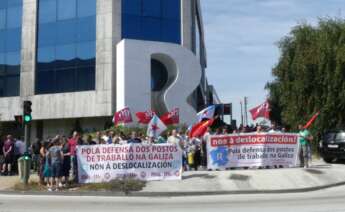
313, 171
205, 176
239, 177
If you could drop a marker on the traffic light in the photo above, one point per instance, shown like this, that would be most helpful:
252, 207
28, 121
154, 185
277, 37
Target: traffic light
27, 118
26, 156
18, 119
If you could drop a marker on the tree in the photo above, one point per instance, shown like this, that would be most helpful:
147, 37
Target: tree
310, 76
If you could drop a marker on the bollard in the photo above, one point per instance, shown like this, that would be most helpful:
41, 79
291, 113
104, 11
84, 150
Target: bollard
24, 166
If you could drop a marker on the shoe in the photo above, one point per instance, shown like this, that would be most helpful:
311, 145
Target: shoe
50, 189
60, 185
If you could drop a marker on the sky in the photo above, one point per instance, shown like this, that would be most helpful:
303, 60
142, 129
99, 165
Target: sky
241, 42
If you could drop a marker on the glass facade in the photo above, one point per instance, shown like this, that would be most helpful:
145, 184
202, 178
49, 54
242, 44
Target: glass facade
153, 20
10, 45
66, 46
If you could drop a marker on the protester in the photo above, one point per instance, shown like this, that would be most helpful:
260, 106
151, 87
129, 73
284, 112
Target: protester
56, 158
8, 152
1, 154
116, 139
66, 165
98, 137
194, 153
305, 147
72, 145
203, 147
174, 138
19, 150
35, 148
134, 139
47, 169
90, 141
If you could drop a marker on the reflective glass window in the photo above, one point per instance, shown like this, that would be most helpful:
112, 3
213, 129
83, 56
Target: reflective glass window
47, 34
171, 9
13, 40
67, 9
47, 11
132, 28
2, 41
12, 85
2, 19
156, 20
152, 8
86, 8
169, 29
65, 80
2, 85
46, 58
151, 28
66, 32
132, 7
2, 64
86, 29
85, 53
85, 78
65, 56
11, 3
3, 4
13, 63
66, 44
45, 81
14, 17
10, 45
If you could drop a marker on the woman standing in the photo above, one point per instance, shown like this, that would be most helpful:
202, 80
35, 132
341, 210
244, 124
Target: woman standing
42, 161
66, 164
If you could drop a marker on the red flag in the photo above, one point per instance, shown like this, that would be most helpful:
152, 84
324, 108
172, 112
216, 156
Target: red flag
311, 120
262, 110
200, 128
172, 117
123, 116
145, 117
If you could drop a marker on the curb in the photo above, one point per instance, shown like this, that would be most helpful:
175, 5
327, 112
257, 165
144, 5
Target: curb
172, 194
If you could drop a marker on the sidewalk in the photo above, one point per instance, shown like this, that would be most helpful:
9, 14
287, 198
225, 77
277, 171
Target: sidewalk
316, 177
319, 176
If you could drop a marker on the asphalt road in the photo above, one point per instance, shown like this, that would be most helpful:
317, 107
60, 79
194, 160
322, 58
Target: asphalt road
329, 200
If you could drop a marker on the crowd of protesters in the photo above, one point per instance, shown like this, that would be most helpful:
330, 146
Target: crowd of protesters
55, 160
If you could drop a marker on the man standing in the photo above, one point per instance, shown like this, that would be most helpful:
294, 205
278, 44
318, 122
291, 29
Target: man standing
305, 148
56, 156
8, 151
175, 139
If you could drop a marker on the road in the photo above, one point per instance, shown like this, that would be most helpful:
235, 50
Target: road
329, 200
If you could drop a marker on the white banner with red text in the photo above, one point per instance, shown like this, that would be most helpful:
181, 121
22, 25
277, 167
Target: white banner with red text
252, 150
103, 163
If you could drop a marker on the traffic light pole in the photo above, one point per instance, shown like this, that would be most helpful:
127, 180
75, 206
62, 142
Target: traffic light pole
27, 164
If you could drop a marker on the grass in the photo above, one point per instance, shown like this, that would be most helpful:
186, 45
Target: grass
32, 186
125, 185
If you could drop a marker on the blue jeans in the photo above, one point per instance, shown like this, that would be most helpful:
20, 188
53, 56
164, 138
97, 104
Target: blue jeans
56, 169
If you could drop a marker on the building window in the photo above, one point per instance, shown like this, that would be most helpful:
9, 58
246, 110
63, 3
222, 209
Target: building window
153, 20
10, 46
66, 46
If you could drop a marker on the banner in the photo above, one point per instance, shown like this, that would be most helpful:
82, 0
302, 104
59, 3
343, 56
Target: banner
252, 150
103, 163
